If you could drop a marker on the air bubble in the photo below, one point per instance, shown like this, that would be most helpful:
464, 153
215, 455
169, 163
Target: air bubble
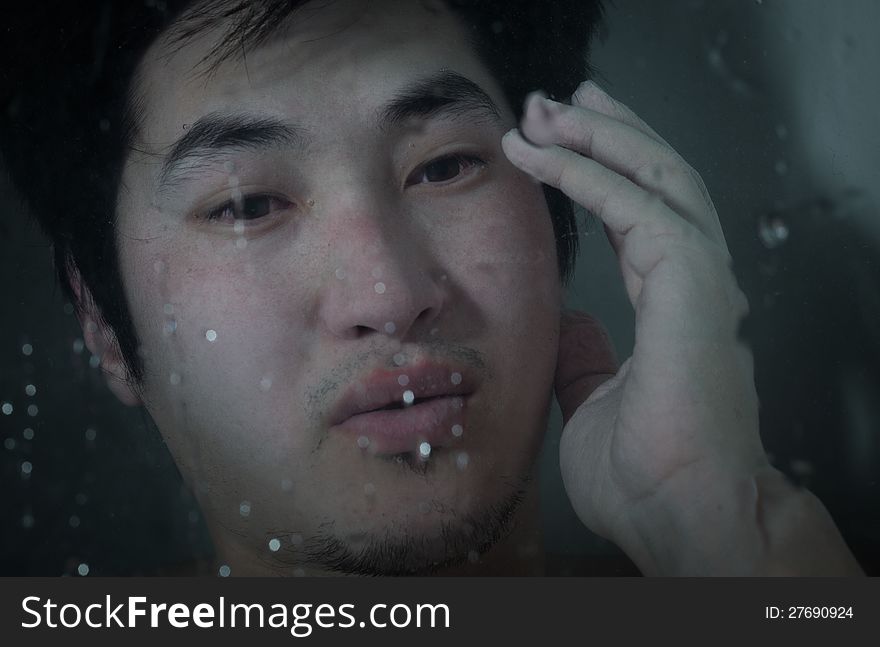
274, 545
73, 522
456, 378
168, 309
461, 460
83, 569
27, 349
265, 384
224, 571
28, 433
399, 359
27, 467
174, 378
78, 346
9, 443
91, 434
379, 288
363, 442
33, 410
211, 335
340, 274
403, 380
30, 390
94, 361
424, 450
457, 430
7, 408
244, 508
408, 397
390, 327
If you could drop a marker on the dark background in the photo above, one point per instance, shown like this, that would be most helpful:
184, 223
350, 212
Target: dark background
772, 101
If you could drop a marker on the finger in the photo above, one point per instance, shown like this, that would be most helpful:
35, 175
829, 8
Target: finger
611, 197
590, 95
647, 162
586, 360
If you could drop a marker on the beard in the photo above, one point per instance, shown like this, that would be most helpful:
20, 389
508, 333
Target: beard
454, 543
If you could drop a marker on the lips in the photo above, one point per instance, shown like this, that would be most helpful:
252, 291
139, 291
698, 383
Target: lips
393, 411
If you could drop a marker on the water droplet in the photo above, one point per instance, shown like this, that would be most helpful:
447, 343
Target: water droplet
30, 389
456, 378
7, 408
28, 433
369, 489
9, 443
363, 442
772, 231
390, 327
457, 430
26, 467
78, 346
340, 274
399, 359
33, 410
408, 397
27, 349
274, 545
91, 434
73, 522
403, 380
174, 378
83, 569
461, 460
424, 450
801, 467
265, 384
244, 508
211, 335
379, 288
224, 571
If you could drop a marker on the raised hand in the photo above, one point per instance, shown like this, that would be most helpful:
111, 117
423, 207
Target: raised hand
664, 457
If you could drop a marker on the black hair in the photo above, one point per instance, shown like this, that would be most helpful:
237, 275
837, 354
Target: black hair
68, 115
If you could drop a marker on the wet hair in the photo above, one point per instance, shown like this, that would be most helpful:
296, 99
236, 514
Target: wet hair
69, 114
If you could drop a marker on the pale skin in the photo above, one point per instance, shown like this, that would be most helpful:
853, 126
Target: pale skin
663, 456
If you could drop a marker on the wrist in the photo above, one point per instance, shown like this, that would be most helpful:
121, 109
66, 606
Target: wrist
751, 524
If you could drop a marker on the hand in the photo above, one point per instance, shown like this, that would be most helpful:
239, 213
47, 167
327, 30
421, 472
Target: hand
664, 457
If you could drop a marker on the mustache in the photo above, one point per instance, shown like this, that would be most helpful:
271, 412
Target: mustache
320, 396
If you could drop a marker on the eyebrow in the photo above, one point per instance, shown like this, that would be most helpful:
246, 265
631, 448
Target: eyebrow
444, 94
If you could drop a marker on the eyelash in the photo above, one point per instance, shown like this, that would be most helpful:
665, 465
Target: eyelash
466, 162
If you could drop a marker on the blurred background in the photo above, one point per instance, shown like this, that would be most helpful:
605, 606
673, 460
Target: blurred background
772, 101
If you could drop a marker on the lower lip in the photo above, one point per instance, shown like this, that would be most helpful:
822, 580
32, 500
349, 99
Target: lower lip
396, 431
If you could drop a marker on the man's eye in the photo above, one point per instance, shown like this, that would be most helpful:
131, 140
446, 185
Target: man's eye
444, 169
249, 207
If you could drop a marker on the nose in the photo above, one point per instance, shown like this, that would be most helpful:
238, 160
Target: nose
383, 280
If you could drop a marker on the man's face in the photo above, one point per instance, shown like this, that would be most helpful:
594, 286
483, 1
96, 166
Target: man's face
311, 256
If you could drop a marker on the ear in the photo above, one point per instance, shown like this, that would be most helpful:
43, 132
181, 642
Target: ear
101, 342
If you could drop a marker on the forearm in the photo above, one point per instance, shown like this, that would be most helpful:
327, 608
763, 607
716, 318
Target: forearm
751, 526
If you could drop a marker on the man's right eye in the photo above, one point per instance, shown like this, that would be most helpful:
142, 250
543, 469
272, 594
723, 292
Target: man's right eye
248, 207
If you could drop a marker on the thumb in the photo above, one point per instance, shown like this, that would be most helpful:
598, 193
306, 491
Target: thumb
586, 360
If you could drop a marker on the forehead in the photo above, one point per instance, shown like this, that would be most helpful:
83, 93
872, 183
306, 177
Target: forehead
326, 59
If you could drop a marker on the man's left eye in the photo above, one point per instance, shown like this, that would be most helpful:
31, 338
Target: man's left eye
444, 169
